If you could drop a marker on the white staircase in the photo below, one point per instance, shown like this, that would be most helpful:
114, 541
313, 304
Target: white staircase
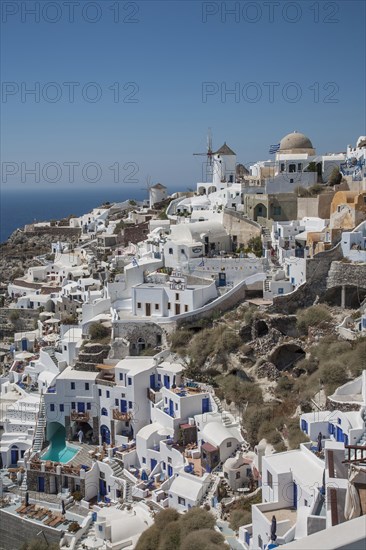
117, 468
39, 433
218, 403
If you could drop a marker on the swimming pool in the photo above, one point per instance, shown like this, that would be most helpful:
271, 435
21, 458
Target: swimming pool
59, 451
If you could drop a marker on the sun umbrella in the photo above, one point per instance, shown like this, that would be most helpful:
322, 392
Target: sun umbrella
27, 498
63, 509
273, 528
352, 508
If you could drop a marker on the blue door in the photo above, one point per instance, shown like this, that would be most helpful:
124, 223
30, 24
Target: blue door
14, 456
153, 463
304, 426
205, 405
170, 470
339, 434
152, 381
41, 484
81, 407
123, 406
222, 279
102, 487
171, 407
295, 495
166, 381
106, 434
24, 344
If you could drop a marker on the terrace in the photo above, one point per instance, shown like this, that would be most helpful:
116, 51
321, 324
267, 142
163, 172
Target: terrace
106, 377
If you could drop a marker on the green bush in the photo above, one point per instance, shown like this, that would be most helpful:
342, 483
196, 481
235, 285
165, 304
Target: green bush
179, 340
195, 519
312, 317
335, 177
333, 374
239, 518
97, 331
204, 539
170, 536
149, 540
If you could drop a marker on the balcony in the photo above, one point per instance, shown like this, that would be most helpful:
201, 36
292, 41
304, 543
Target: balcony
118, 415
80, 416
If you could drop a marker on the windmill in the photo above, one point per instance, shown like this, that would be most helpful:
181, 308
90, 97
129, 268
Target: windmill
209, 156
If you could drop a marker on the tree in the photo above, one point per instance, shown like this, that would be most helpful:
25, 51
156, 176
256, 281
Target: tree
204, 539
255, 245
196, 518
98, 331
335, 177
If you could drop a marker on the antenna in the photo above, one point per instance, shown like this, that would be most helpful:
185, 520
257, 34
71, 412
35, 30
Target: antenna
208, 155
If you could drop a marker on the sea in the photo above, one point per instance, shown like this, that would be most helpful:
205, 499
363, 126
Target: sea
21, 204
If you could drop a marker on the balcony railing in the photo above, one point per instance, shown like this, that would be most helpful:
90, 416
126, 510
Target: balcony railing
77, 416
118, 415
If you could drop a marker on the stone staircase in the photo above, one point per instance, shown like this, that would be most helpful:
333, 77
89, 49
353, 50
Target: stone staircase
117, 468
218, 403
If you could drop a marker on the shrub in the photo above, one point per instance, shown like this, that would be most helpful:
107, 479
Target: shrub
195, 519
312, 317
285, 386
204, 539
170, 536
335, 177
149, 540
77, 495
73, 527
166, 516
180, 339
333, 374
255, 245
98, 331
239, 518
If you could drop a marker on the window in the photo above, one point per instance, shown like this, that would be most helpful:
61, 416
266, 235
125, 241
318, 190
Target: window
168, 305
277, 211
143, 460
62, 407
169, 460
138, 305
52, 407
228, 444
292, 168
269, 479
164, 466
282, 167
73, 405
100, 393
116, 402
88, 406
182, 251
177, 295
185, 308
170, 251
65, 348
72, 385
107, 393
130, 404
182, 501
176, 406
100, 527
120, 376
129, 380
299, 167
104, 412
156, 306
280, 291
237, 475
86, 385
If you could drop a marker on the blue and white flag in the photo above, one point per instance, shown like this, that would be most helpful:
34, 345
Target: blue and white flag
202, 263
274, 148
135, 262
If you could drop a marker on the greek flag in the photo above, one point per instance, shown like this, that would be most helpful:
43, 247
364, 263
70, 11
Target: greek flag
135, 262
274, 148
202, 263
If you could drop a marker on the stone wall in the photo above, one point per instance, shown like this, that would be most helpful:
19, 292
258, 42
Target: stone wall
242, 228
136, 334
346, 273
317, 269
16, 530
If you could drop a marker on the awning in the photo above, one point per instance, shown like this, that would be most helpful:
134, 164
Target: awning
102, 366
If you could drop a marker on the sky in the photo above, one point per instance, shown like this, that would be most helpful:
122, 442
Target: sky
124, 91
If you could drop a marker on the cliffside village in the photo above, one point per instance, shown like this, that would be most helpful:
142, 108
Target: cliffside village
100, 425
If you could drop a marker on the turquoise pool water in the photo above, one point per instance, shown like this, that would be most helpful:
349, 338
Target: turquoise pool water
59, 451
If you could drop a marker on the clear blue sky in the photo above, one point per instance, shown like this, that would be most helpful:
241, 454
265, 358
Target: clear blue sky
169, 52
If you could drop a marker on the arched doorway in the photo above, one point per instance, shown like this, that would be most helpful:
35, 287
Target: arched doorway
105, 434
260, 211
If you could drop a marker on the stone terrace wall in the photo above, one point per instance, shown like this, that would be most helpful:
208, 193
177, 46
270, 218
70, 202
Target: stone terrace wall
15, 531
317, 269
346, 273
